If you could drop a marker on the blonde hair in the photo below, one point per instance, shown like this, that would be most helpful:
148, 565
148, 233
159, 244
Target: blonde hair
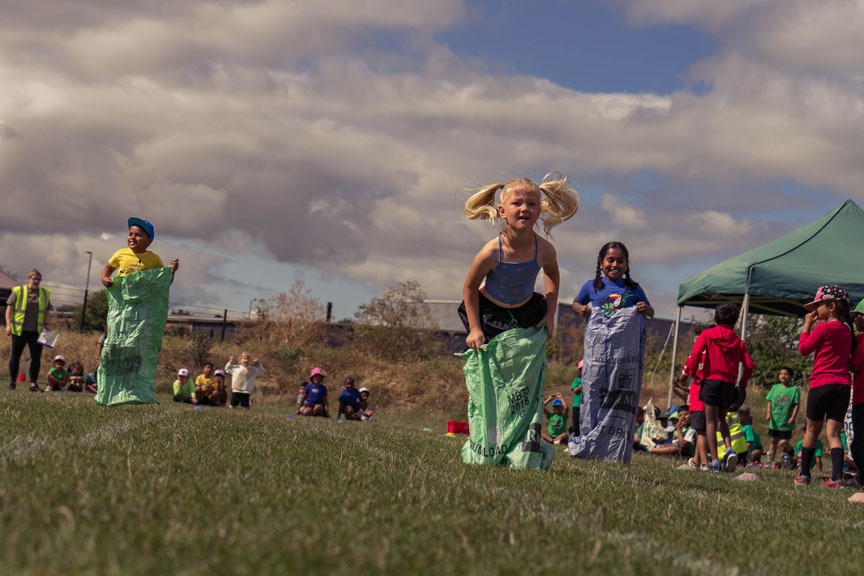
558, 202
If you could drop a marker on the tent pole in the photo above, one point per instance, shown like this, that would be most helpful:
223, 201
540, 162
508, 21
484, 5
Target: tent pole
745, 309
674, 357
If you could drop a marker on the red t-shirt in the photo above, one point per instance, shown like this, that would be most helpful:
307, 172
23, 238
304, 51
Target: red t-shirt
725, 352
858, 364
832, 342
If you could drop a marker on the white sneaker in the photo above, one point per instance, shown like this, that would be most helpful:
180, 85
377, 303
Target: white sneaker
49, 389
731, 462
557, 441
692, 463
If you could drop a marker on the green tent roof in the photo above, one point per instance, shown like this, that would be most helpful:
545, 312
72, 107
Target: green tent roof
785, 273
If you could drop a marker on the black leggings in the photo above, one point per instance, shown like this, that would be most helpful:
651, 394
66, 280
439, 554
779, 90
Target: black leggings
18, 343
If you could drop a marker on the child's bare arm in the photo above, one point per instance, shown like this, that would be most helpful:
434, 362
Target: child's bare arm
551, 284
768, 411
106, 275
583, 310
794, 414
175, 264
645, 309
485, 260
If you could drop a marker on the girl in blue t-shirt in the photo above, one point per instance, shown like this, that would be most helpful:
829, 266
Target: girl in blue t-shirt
617, 291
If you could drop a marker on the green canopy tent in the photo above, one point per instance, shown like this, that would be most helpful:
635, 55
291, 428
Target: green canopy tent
781, 276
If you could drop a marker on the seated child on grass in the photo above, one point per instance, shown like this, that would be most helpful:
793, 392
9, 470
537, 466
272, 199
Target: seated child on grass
754, 441
816, 460
184, 389
315, 401
348, 400
205, 387
76, 378
557, 430
363, 409
243, 379
221, 393
683, 443
91, 385
57, 375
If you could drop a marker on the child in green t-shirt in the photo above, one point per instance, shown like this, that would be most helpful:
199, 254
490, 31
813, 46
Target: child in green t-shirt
557, 430
57, 376
754, 441
577, 400
784, 399
817, 455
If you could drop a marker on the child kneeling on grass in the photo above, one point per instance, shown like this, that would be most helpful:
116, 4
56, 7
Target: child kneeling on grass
557, 430
242, 379
76, 378
315, 401
57, 376
184, 389
363, 409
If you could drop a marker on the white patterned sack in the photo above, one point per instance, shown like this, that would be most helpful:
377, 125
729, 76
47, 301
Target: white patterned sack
611, 385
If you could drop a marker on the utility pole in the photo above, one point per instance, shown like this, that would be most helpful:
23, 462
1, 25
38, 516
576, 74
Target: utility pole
86, 289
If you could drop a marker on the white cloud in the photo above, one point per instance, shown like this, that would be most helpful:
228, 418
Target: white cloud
622, 213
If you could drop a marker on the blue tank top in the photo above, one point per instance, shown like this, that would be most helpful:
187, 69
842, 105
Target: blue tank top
513, 282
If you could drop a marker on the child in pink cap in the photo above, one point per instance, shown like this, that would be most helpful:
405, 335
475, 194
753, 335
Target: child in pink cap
314, 401
828, 334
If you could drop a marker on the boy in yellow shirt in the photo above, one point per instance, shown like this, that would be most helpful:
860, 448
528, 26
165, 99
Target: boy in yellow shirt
136, 257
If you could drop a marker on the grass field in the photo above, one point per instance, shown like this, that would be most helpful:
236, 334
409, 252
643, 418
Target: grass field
171, 490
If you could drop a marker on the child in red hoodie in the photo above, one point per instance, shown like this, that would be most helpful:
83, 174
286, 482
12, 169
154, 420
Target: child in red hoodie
724, 352
830, 385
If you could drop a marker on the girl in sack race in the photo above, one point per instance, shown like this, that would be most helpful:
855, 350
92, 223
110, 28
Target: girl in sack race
499, 298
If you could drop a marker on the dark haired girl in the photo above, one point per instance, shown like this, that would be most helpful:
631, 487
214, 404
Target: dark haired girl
832, 340
617, 291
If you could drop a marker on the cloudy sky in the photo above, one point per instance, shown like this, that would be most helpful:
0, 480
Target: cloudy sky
332, 141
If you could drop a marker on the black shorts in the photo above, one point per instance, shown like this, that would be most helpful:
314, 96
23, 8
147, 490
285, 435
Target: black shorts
781, 434
494, 319
239, 399
697, 420
717, 393
831, 400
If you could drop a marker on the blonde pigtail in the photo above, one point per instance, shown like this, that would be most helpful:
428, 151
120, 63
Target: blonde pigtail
559, 203
481, 205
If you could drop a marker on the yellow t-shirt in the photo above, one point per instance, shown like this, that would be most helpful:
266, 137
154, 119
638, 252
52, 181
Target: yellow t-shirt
205, 382
128, 262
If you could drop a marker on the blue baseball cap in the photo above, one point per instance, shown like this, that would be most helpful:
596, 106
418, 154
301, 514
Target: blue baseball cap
144, 224
557, 402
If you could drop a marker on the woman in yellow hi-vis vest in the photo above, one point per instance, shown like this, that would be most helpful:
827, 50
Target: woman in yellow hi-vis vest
28, 310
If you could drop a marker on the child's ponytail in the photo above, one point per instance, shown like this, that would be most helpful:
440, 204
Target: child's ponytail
598, 278
560, 202
481, 205
844, 314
